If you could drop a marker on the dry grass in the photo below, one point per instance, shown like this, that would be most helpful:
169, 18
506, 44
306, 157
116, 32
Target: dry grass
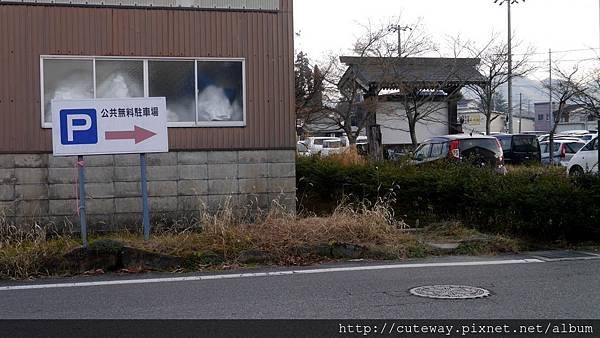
25, 249
472, 242
278, 233
282, 235
286, 240
451, 231
349, 157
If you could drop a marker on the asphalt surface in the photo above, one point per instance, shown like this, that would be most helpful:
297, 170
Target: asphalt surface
538, 290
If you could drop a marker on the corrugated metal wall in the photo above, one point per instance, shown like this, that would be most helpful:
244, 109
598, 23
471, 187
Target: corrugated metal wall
269, 5
265, 39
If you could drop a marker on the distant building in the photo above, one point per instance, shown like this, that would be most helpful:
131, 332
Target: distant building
434, 83
394, 123
474, 120
575, 117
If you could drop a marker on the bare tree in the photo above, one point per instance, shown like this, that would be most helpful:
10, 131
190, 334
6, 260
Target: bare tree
348, 108
422, 100
567, 86
588, 96
426, 87
350, 105
494, 68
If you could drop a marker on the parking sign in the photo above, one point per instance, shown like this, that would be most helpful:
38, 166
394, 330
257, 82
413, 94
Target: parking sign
109, 126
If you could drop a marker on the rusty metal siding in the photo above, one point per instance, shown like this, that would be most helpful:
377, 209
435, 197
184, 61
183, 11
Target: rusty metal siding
265, 39
257, 5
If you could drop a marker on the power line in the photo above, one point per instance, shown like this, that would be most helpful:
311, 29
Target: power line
562, 60
560, 51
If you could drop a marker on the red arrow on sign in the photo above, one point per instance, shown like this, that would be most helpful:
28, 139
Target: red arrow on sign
138, 134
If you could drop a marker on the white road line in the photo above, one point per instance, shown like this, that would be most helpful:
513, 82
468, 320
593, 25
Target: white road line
265, 274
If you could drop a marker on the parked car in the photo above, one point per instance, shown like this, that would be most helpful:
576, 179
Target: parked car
520, 149
587, 137
564, 150
546, 138
302, 149
333, 146
359, 140
586, 159
315, 144
477, 149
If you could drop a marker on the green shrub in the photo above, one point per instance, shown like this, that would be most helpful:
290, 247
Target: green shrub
535, 202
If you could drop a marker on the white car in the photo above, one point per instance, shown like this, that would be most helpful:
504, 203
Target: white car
564, 150
302, 149
586, 159
331, 147
315, 144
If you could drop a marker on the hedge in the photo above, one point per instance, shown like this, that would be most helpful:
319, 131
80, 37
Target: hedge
535, 202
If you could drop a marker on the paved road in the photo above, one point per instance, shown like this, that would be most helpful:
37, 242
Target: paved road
531, 289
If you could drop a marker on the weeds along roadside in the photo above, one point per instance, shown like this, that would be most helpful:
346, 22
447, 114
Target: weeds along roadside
281, 238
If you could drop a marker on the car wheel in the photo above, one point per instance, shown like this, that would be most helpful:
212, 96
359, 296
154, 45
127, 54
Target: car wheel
576, 171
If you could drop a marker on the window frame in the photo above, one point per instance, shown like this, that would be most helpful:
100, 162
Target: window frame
425, 156
145, 59
441, 152
592, 145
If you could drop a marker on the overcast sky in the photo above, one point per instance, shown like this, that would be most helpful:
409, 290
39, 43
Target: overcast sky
331, 25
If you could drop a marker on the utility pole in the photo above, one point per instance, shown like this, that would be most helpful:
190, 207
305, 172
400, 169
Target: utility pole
399, 29
551, 140
510, 117
529, 112
510, 108
520, 112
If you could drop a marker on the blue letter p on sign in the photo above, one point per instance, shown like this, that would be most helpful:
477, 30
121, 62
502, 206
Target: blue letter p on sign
78, 126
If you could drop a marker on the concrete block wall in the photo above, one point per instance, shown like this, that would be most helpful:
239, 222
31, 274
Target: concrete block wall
41, 186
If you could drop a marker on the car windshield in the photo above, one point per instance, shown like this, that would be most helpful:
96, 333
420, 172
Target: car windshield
573, 148
319, 141
332, 144
525, 144
570, 147
484, 143
301, 147
422, 151
544, 147
506, 143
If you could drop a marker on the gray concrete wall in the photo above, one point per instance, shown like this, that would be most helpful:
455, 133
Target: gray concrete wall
180, 185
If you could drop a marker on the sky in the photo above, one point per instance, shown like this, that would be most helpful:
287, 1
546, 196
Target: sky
326, 26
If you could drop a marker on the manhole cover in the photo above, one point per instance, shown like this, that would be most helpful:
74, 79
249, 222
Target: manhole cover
449, 292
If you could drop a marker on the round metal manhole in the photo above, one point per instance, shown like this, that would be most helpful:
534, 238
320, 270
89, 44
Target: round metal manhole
449, 292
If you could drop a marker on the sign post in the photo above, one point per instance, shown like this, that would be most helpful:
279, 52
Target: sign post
146, 210
82, 219
110, 126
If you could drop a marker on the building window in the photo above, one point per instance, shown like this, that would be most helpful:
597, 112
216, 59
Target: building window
66, 80
175, 81
119, 78
202, 92
220, 91
547, 117
540, 117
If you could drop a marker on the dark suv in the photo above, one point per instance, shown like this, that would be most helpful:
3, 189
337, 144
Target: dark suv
479, 150
520, 149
